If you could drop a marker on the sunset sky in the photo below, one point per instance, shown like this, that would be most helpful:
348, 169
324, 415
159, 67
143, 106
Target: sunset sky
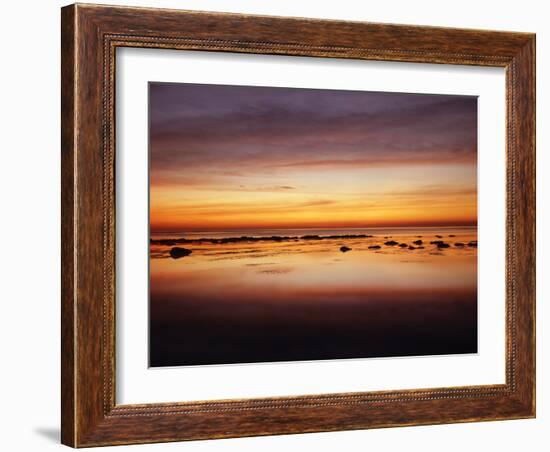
239, 157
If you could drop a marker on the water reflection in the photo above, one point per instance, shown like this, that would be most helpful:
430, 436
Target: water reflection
298, 299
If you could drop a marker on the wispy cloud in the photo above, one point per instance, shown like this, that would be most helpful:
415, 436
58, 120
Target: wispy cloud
274, 188
216, 128
233, 153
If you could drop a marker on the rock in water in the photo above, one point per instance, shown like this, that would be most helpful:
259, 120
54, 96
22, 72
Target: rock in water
177, 252
344, 249
443, 245
391, 243
418, 242
374, 247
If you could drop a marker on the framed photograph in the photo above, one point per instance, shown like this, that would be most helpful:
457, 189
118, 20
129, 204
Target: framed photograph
280, 225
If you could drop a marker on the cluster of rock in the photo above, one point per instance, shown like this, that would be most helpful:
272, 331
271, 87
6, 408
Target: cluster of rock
178, 252
417, 244
439, 243
244, 238
405, 245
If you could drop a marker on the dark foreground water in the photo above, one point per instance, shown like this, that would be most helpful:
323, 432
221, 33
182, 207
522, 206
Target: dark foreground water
265, 301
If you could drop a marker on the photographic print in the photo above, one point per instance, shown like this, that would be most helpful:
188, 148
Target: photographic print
291, 224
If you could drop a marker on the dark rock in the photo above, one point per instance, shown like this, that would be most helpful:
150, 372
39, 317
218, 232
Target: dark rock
345, 249
374, 247
176, 252
391, 243
310, 237
451, 235
412, 248
403, 245
459, 244
418, 242
443, 245
419, 247
436, 242
439, 236
472, 244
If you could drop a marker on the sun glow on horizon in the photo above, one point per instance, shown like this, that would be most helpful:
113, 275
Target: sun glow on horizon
227, 157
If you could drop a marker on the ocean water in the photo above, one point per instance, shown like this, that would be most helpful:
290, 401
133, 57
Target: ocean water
295, 299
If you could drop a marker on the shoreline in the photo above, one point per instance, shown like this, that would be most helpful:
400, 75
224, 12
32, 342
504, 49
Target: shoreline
308, 238
245, 238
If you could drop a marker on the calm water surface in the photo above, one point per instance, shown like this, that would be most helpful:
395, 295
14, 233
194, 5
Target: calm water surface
270, 301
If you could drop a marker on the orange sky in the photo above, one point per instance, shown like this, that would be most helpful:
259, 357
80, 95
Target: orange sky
226, 157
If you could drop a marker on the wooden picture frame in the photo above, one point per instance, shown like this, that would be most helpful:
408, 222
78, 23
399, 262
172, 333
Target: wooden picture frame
90, 36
